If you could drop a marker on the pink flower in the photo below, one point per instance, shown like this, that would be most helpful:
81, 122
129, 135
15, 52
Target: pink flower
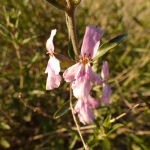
105, 97
85, 113
81, 73
53, 66
105, 71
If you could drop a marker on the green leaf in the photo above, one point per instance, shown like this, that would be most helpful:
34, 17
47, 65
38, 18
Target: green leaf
144, 99
104, 48
70, 47
93, 143
114, 127
57, 3
27, 40
72, 141
139, 141
3, 27
70, 50
33, 59
64, 61
106, 144
107, 121
64, 108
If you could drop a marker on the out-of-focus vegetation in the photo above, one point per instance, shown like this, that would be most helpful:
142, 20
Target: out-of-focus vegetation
25, 26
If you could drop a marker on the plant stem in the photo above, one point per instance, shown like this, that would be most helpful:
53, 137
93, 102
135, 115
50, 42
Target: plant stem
74, 117
20, 64
72, 28
19, 60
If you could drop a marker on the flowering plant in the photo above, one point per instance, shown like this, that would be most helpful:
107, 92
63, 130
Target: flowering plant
79, 72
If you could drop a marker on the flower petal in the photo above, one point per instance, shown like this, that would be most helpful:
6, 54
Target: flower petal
105, 71
86, 114
94, 77
53, 81
55, 64
81, 87
49, 43
93, 102
48, 68
91, 41
78, 105
70, 74
105, 97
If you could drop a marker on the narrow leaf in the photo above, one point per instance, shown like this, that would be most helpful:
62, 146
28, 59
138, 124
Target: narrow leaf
64, 108
116, 126
70, 50
33, 59
104, 48
144, 99
70, 46
64, 61
27, 40
58, 4
93, 143
107, 121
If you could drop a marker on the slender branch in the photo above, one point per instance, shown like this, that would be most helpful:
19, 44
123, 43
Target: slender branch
7, 116
124, 114
78, 128
19, 59
35, 109
59, 131
72, 29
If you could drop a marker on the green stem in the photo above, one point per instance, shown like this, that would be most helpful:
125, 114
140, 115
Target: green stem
20, 64
17, 48
74, 117
72, 28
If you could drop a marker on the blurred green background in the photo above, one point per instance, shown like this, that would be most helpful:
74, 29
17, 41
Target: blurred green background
25, 26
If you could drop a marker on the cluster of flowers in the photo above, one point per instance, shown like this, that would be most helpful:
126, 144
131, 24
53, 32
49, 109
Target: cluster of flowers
81, 74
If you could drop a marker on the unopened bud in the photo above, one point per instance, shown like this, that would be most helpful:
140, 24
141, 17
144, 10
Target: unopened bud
65, 5
105, 71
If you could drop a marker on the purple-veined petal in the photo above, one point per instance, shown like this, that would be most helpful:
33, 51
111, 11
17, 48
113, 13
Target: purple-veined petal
105, 97
105, 71
71, 73
91, 41
93, 102
55, 64
86, 114
49, 43
94, 77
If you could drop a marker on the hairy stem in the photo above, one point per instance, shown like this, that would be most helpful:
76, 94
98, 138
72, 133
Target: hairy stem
74, 117
72, 28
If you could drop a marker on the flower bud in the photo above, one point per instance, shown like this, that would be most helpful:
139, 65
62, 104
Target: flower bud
105, 97
74, 3
105, 71
65, 5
